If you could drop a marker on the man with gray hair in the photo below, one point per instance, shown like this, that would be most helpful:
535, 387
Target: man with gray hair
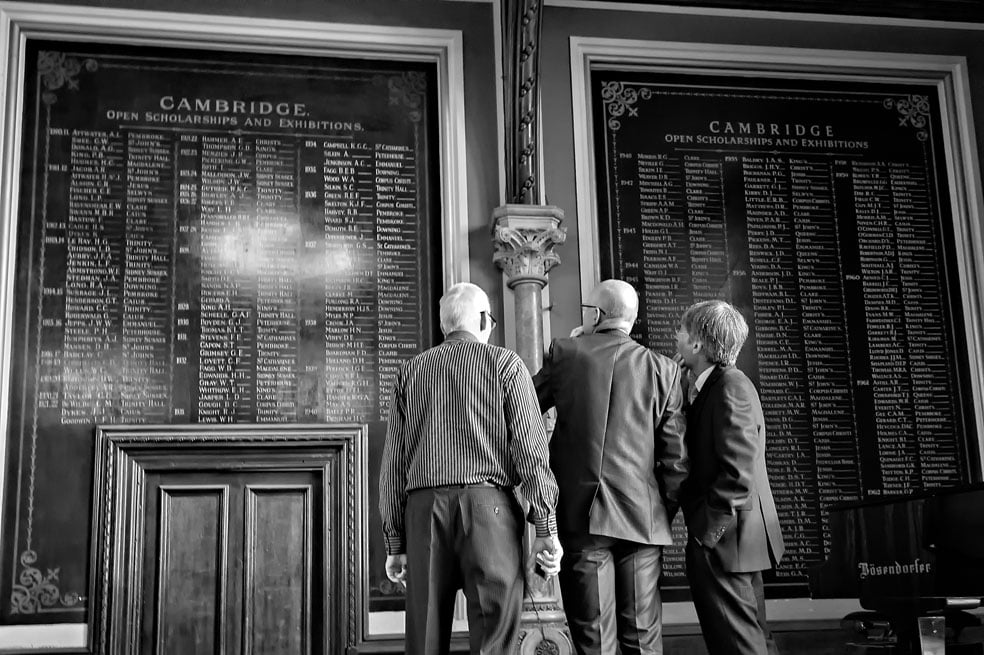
618, 454
727, 502
464, 430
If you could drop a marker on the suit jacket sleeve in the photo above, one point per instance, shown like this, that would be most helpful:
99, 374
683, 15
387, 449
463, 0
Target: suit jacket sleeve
543, 383
737, 440
671, 428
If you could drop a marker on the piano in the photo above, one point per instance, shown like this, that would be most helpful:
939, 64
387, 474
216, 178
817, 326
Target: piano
906, 557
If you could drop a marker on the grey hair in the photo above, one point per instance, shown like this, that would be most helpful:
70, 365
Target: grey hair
719, 326
619, 300
458, 303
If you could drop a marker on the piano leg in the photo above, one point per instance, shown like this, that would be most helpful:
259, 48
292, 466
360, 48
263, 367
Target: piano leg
936, 634
932, 635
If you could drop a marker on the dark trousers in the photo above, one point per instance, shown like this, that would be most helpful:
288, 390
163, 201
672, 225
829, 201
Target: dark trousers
463, 538
610, 593
730, 606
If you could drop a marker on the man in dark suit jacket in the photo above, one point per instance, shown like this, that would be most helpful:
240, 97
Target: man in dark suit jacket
731, 516
618, 455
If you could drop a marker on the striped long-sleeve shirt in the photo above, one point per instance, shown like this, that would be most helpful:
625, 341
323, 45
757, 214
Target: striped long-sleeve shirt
464, 412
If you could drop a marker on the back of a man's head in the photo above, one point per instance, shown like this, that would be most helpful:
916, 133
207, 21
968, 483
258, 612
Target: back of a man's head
719, 326
461, 306
619, 301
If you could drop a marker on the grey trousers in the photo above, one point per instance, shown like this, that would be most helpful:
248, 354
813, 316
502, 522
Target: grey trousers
610, 593
730, 606
468, 538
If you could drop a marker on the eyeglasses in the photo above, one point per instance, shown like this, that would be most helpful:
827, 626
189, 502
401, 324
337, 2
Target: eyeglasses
491, 319
598, 309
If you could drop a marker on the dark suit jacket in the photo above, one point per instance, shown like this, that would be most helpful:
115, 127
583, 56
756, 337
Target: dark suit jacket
727, 500
617, 450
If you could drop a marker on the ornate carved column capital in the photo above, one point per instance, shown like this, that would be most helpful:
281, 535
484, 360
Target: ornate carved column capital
524, 237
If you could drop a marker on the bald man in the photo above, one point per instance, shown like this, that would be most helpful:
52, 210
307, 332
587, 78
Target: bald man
619, 457
464, 430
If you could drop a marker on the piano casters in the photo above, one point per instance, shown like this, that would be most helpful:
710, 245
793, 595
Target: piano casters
868, 633
952, 630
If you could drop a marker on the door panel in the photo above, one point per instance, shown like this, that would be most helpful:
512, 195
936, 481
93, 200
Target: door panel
277, 599
231, 564
191, 572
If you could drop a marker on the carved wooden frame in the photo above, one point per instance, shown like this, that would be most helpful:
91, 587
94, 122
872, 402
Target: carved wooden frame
126, 454
945, 76
21, 22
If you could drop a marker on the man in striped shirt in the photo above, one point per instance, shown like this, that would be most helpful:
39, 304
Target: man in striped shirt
464, 430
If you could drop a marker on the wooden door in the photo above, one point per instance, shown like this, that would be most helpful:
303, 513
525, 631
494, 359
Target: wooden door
232, 564
227, 540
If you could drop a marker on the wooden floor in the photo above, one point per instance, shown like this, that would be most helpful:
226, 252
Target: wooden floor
823, 642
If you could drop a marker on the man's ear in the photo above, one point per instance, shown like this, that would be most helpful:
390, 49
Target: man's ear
481, 322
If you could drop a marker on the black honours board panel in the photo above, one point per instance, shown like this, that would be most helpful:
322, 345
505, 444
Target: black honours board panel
821, 210
207, 238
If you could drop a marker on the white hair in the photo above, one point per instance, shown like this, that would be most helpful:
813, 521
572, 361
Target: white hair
459, 303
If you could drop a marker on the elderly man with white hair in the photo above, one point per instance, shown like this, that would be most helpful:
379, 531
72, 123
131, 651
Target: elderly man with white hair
464, 430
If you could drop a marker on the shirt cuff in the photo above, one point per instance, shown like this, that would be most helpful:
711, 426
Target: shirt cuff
395, 545
546, 526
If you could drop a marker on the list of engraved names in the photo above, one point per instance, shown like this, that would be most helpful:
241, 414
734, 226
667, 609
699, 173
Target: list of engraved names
260, 221
827, 236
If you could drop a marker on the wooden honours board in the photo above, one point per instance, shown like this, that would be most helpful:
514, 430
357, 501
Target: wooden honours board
821, 210
208, 237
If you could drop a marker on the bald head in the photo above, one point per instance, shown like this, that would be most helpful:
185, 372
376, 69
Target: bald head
618, 302
462, 307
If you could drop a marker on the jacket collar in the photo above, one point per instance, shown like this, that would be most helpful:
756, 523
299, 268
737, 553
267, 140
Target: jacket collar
711, 380
613, 331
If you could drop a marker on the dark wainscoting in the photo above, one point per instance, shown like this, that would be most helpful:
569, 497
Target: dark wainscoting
237, 539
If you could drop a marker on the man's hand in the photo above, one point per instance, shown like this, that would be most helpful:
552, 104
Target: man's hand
578, 331
396, 568
548, 553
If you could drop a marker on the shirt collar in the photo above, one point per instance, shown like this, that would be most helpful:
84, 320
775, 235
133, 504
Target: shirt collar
702, 378
461, 335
